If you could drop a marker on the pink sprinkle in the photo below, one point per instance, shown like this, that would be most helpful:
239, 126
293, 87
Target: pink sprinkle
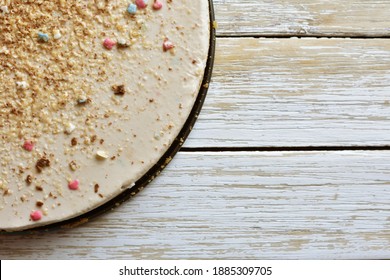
167, 45
109, 44
141, 4
36, 215
157, 5
28, 145
74, 185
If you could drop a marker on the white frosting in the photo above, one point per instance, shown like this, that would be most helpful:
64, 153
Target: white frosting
119, 136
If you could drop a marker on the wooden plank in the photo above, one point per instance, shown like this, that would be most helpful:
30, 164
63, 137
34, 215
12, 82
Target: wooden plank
239, 206
361, 18
297, 92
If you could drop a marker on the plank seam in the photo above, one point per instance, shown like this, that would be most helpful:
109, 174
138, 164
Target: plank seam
301, 36
285, 149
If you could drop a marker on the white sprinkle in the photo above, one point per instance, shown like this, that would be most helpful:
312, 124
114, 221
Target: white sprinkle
123, 43
57, 34
4, 50
22, 85
128, 186
158, 136
102, 155
69, 128
4, 9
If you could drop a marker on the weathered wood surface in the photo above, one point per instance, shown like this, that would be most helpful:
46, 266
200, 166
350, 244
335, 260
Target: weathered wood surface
351, 18
297, 92
239, 205
266, 205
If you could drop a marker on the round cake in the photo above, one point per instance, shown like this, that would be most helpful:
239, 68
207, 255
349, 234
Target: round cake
93, 93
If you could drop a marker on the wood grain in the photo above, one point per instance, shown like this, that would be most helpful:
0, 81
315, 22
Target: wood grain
297, 92
239, 205
352, 18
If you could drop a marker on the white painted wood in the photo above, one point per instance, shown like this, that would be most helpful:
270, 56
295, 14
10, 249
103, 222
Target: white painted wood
303, 17
297, 92
268, 205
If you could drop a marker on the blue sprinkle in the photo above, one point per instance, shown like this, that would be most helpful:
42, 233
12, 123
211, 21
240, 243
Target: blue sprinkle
43, 37
132, 9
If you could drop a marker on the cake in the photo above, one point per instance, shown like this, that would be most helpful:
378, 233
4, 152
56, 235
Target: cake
93, 93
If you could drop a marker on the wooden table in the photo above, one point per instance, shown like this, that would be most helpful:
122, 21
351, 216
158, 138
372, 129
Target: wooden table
290, 156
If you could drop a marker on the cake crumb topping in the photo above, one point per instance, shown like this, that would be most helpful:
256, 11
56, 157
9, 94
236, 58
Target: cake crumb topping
119, 89
42, 163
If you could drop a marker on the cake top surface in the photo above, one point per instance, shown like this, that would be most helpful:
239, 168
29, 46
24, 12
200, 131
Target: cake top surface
92, 94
